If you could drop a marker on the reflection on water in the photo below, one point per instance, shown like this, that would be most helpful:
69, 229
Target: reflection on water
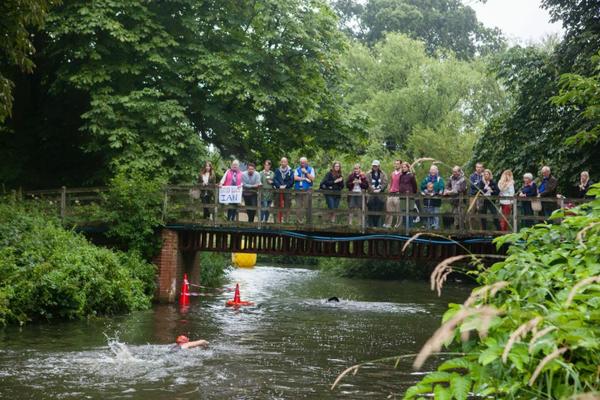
291, 344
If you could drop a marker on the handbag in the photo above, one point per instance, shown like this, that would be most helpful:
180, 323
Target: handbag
323, 186
195, 193
536, 205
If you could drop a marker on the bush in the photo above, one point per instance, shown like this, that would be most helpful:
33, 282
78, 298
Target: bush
213, 267
47, 272
375, 269
537, 315
132, 209
287, 260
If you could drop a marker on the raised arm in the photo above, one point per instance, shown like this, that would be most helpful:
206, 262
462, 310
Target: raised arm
195, 343
222, 181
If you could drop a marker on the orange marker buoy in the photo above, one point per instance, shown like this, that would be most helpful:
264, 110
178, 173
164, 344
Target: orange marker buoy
184, 296
237, 302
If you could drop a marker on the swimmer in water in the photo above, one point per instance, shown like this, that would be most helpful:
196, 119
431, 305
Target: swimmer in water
333, 299
183, 342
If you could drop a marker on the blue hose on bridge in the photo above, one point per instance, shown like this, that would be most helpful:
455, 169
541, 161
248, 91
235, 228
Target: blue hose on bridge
387, 236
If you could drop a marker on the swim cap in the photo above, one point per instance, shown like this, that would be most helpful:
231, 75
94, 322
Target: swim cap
182, 339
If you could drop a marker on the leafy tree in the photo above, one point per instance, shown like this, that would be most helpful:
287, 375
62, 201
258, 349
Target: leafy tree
149, 84
414, 100
536, 131
441, 24
16, 47
583, 94
581, 22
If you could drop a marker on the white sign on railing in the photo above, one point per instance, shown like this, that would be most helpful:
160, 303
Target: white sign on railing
230, 195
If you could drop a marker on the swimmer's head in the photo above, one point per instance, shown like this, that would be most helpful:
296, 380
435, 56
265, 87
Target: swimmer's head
181, 339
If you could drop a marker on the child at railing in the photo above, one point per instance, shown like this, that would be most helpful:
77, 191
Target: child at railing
432, 207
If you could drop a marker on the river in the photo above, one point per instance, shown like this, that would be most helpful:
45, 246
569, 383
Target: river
291, 345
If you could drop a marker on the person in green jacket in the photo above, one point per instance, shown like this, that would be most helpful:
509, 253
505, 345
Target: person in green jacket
432, 185
435, 178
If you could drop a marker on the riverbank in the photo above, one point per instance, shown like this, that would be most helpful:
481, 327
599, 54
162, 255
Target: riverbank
49, 273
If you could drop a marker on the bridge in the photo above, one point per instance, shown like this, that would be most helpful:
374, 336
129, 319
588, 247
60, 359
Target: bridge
301, 224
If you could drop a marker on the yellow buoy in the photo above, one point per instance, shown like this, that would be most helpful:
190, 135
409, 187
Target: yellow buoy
243, 260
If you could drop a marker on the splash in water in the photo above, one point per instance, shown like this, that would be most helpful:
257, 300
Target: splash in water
120, 350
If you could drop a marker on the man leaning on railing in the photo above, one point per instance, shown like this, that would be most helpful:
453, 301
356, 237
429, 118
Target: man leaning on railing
455, 187
251, 183
304, 176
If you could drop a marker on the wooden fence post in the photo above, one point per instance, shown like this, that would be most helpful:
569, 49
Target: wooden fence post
259, 206
461, 214
407, 217
165, 204
309, 208
216, 206
515, 215
63, 203
363, 222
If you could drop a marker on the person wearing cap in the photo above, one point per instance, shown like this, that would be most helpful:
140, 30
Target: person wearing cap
377, 184
183, 342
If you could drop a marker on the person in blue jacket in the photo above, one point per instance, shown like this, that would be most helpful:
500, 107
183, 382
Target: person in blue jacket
529, 189
304, 177
283, 180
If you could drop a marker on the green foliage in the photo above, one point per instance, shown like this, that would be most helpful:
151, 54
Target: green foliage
287, 260
374, 269
534, 130
47, 272
213, 268
146, 132
16, 47
552, 273
414, 100
583, 94
148, 84
132, 209
440, 24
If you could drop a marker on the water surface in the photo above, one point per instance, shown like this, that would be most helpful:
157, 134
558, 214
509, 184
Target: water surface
291, 345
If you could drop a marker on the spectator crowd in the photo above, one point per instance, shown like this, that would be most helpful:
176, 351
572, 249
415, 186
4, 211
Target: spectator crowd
386, 197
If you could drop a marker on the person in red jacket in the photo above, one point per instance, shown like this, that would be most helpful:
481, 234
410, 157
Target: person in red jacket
356, 183
392, 205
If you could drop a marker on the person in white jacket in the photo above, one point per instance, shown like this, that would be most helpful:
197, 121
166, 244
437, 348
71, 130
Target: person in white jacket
506, 184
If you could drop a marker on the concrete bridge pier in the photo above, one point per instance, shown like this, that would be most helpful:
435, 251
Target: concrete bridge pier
171, 264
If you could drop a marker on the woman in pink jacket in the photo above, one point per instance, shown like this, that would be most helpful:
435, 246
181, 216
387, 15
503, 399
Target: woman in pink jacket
233, 177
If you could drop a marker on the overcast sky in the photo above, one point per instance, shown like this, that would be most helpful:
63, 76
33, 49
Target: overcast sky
521, 20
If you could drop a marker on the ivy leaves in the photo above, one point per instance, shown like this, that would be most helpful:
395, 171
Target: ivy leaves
548, 331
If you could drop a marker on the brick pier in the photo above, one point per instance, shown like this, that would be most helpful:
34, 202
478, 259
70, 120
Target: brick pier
172, 263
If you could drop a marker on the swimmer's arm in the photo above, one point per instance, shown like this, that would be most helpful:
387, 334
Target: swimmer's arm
195, 343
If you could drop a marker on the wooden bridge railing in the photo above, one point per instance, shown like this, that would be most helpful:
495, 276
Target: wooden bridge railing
309, 211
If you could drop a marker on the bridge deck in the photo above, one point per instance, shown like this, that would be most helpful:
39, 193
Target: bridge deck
300, 223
